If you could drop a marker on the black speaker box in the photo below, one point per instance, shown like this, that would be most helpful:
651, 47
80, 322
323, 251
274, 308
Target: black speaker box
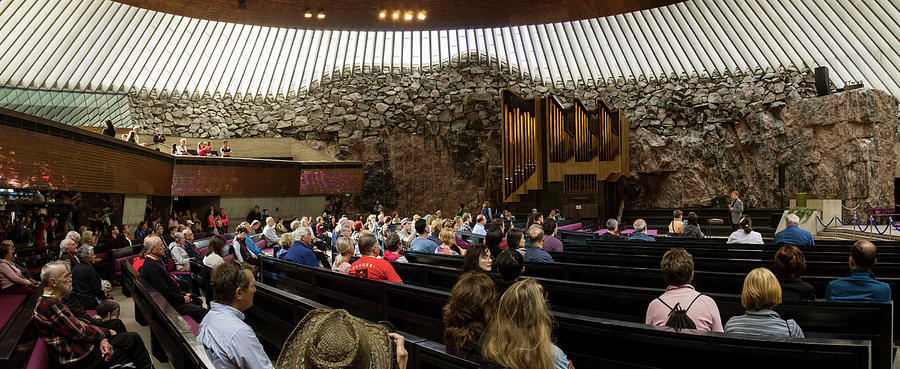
822, 81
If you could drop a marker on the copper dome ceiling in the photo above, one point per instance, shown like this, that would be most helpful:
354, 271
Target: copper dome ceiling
364, 15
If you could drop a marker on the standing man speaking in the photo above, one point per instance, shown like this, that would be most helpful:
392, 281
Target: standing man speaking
737, 211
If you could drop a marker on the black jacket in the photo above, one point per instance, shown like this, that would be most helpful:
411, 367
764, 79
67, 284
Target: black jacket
86, 285
156, 277
796, 289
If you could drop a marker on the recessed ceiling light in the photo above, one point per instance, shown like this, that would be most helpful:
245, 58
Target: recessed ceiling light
395, 15
382, 14
408, 16
421, 15
321, 14
307, 14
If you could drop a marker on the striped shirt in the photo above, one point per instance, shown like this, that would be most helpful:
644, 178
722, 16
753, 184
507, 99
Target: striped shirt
763, 324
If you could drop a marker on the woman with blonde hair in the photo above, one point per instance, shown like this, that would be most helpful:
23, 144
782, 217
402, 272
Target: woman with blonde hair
761, 293
519, 335
286, 241
342, 261
448, 243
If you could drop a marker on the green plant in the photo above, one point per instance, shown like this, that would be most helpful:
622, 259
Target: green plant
802, 213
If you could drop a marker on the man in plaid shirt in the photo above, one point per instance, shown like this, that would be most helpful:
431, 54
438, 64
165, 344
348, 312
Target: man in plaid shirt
73, 343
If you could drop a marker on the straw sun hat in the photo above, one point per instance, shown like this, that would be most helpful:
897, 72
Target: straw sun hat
333, 339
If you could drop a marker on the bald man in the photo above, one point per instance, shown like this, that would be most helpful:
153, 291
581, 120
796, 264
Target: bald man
860, 285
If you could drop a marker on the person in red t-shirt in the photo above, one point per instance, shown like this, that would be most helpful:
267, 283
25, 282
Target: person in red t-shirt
369, 266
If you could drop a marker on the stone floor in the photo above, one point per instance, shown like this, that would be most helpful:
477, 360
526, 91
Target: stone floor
127, 315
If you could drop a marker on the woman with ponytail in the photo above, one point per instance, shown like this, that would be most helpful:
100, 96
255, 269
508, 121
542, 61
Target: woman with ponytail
745, 234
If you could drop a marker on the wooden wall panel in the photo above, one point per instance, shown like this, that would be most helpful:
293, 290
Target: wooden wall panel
234, 180
30, 159
325, 181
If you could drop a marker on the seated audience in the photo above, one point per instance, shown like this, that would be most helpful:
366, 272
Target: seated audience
745, 234
369, 266
335, 339
792, 234
179, 254
516, 238
301, 251
342, 261
138, 261
510, 264
74, 344
492, 241
678, 270
11, 279
214, 252
189, 246
675, 226
466, 225
519, 336
228, 341
270, 233
285, 243
551, 243
422, 243
67, 248
640, 232
473, 301
535, 252
612, 231
182, 149
477, 258
789, 264
760, 295
88, 287
203, 149
448, 243
691, 228
141, 231
535, 218
392, 249
478, 229
436, 227
860, 285
154, 273
240, 245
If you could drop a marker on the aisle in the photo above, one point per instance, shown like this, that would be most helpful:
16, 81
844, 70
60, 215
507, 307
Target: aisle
126, 306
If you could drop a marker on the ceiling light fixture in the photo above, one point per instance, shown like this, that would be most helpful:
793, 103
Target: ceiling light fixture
307, 14
395, 15
421, 15
408, 16
321, 14
382, 14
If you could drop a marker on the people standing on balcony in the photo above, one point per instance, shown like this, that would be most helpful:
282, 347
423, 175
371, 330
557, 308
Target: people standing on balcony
110, 129
225, 151
182, 149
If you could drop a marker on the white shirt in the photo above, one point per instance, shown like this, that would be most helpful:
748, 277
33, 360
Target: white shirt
479, 229
270, 235
229, 342
739, 236
212, 260
181, 258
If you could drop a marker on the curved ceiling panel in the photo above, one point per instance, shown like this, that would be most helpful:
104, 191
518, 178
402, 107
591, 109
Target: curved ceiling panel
364, 15
102, 45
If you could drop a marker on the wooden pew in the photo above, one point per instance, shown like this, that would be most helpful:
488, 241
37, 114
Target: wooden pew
171, 337
623, 344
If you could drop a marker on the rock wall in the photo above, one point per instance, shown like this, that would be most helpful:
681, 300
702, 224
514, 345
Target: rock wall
432, 139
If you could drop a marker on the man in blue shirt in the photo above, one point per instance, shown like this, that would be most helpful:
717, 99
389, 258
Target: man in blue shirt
860, 285
421, 243
535, 252
229, 342
640, 232
792, 234
301, 252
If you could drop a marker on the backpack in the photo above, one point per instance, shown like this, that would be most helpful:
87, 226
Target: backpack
678, 317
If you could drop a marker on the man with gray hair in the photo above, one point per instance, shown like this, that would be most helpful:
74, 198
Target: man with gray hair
74, 236
72, 343
67, 249
301, 252
87, 285
792, 234
612, 231
155, 276
535, 252
640, 232
269, 233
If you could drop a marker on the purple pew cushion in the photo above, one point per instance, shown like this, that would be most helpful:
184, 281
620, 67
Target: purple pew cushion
91, 312
40, 357
570, 227
8, 305
130, 259
195, 328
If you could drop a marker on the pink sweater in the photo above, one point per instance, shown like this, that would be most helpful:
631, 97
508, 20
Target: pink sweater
703, 312
10, 275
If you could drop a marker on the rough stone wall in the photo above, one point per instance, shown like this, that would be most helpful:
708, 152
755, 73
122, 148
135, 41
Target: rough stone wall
432, 138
